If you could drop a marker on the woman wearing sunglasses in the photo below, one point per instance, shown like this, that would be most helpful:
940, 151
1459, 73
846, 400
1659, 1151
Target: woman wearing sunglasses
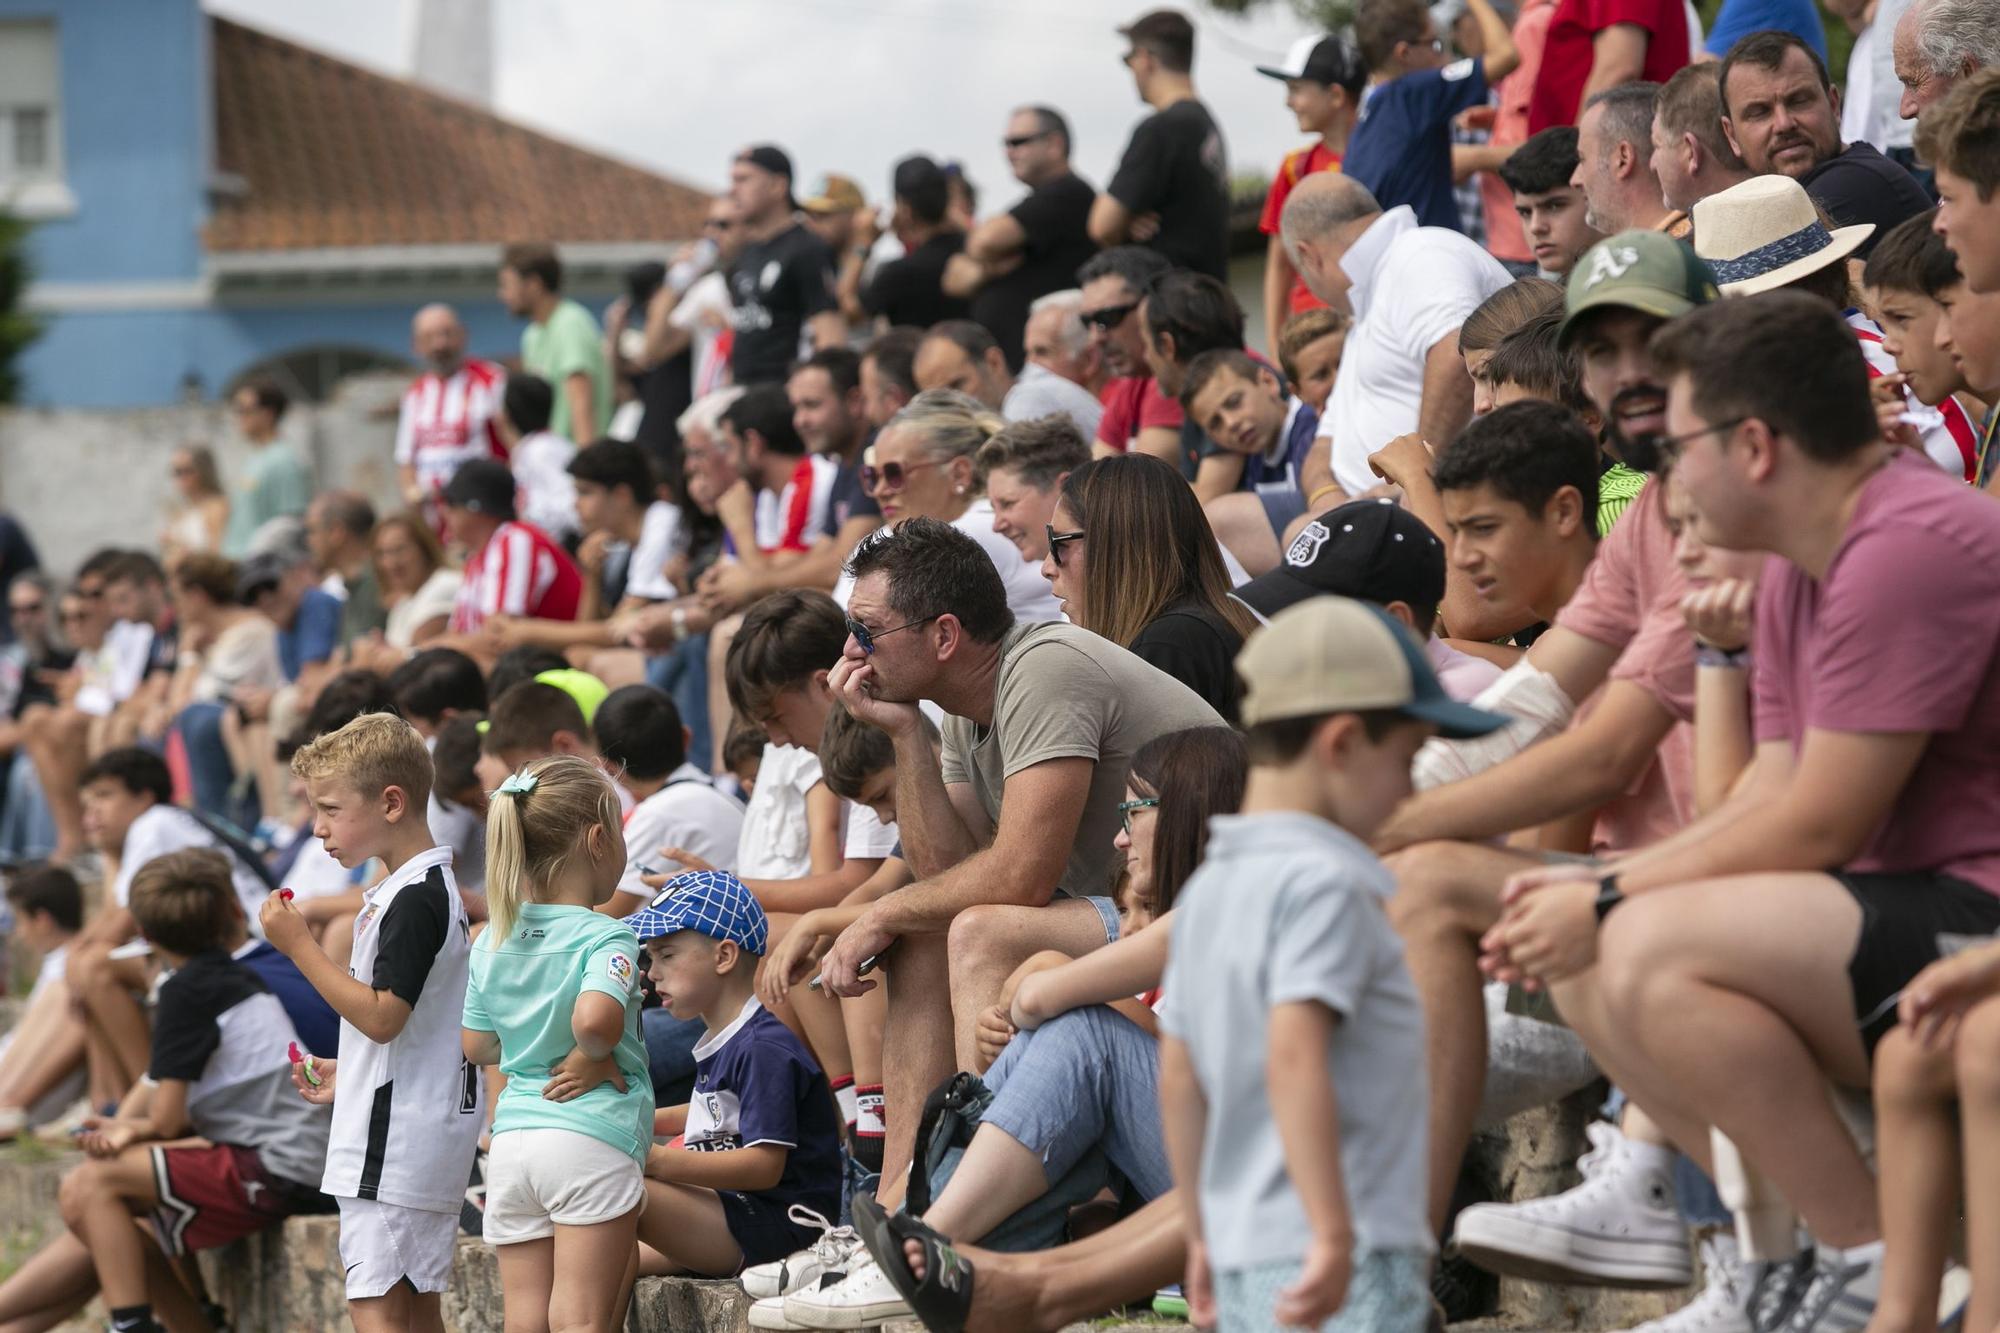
922, 466
1132, 559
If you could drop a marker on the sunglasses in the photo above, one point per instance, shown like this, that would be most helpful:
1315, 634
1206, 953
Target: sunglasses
864, 638
1056, 540
719, 224
1023, 140
1125, 809
889, 476
29, 609
1108, 318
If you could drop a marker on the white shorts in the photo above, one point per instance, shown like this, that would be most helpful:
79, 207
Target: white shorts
540, 1179
381, 1244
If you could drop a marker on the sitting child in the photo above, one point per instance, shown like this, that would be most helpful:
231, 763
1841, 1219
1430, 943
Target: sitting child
41, 1060
760, 1137
1309, 349
219, 1072
1245, 410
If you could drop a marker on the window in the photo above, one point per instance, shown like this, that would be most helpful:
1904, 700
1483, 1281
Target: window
31, 161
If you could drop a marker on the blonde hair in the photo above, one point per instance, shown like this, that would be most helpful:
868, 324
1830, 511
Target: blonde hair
949, 424
532, 834
374, 752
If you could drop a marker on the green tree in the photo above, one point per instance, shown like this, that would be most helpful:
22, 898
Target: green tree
18, 328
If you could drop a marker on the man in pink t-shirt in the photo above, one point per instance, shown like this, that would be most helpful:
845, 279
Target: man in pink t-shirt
1760, 953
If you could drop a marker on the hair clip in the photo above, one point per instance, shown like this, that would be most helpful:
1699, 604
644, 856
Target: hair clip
517, 784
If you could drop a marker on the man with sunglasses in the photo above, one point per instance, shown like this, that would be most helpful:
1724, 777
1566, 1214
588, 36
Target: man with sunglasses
1010, 833
1138, 415
1035, 247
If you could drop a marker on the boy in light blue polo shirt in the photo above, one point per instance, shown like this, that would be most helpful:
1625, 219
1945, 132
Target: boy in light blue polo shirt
1292, 1081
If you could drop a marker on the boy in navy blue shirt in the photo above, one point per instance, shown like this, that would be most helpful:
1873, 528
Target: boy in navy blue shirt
1245, 409
760, 1135
1401, 145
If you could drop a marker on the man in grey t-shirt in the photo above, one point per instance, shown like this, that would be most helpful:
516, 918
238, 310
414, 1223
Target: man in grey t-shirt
1010, 834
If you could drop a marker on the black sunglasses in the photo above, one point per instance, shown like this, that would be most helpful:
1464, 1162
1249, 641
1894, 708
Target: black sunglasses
1023, 140
1056, 540
1108, 318
864, 638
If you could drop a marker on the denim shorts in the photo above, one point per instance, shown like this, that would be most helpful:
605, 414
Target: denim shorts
1389, 1292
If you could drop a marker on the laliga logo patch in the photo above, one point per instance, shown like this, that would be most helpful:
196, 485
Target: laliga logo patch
1609, 262
620, 968
1305, 547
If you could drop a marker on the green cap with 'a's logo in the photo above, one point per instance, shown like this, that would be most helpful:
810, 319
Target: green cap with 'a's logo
1647, 271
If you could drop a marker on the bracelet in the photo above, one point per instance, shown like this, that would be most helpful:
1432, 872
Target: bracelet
679, 619
1732, 659
1332, 487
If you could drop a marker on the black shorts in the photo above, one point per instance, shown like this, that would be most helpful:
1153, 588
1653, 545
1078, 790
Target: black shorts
761, 1228
1906, 922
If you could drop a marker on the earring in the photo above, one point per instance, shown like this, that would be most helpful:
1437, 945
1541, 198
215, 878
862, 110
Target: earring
961, 490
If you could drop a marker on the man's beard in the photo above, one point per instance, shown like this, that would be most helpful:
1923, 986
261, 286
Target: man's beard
1642, 453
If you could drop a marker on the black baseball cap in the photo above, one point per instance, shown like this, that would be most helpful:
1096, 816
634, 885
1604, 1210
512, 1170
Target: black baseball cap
482, 486
770, 157
1370, 550
1324, 60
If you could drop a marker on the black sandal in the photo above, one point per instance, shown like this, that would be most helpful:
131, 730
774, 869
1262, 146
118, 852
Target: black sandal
943, 1299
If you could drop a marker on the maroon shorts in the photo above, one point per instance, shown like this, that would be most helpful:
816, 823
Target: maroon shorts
213, 1194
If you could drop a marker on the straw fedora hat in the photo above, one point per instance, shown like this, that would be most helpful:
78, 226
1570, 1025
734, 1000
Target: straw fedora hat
1762, 233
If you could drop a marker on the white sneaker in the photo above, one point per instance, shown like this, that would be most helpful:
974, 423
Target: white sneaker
1841, 1297
1953, 1293
863, 1299
1619, 1228
769, 1313
1723, 1304
832, 1253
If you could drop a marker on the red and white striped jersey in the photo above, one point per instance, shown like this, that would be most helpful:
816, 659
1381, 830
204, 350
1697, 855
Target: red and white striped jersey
791, 519
447, 422
519, 572
1949, 438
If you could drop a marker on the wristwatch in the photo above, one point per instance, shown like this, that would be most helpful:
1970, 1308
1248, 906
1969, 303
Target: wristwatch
1608, 896
1708, 655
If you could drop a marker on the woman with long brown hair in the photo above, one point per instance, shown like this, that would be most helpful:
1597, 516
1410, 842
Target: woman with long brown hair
1132, 559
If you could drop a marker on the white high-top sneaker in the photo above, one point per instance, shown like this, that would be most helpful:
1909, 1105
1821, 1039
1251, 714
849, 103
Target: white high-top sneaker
863, 1299
833, 1253
1723, 1306
1619, 1228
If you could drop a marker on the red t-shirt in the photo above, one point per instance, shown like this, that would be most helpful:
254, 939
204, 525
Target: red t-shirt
1132, 405
1295, 168
1568, 53
519, 572
1903, 634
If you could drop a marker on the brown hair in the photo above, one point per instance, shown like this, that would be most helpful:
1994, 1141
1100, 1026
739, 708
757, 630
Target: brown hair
201, 461
1303, 330
785, 637
1039, 451
211, 575
1380, 26
534, 259
372, 753
185, 902
528, 716
1506, 310
1961, 131
1691, 103
1150, 548
532, 836
1167, 34
1534, 358
1196, 773
411, 525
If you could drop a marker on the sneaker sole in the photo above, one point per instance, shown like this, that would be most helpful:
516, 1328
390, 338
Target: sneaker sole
775, 1320
1545, 1254
856, 1316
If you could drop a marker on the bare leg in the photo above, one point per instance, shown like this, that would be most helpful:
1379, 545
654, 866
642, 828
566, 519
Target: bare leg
1916, 1138
813, 1016
581, 1301
996, 1177
1447, 896
916, 1050
48, 1047
57, 741
107, 990
987, 943
59, 1276
720, 636
687, 1226
1731, 996
527, 1276
1978, 1068
1240, 523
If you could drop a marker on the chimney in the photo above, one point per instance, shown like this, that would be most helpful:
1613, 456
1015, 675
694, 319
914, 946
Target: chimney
451, 43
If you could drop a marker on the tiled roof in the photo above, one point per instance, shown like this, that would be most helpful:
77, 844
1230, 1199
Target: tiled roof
334, 156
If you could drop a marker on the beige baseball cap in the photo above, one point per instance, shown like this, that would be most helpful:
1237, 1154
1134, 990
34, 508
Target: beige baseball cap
1336, 655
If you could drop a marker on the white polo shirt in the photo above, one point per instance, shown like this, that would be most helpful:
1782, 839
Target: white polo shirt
1412, 286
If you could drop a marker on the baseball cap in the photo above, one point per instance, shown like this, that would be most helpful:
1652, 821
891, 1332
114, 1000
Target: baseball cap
770, 157
1647, 271
835, 194
586, 689
1326, 60
713, 902
1336, 655
1371, 550
483, 486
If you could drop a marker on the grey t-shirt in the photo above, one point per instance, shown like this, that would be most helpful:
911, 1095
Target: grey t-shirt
1062, 692
1288, 908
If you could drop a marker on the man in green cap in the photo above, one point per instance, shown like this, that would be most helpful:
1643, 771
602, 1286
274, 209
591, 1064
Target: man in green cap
1620, 641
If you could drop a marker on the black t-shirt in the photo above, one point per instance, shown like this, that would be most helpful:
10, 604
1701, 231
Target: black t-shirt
910, 290
1197, 648
776, 286
848, 499
1861, 185
1176, 166
1055, 219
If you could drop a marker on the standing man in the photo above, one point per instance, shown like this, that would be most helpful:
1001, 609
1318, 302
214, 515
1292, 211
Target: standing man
1409, 288
1171, 189
910, 290
561, 344
1614, 169
1035, 247
1595, 45
1777, 108
782, 279
448, 414
1692, 156
275, 484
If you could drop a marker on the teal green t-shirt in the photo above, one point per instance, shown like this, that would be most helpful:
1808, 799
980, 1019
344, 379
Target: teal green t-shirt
274, 484
570, 344
525, 989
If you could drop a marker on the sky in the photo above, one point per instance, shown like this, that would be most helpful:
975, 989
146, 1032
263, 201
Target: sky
843, 85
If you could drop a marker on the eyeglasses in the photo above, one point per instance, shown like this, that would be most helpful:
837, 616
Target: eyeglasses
864, 638
1023, 140
1108, 318
1125, 809
889, 476
1670, 445
1056, 540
